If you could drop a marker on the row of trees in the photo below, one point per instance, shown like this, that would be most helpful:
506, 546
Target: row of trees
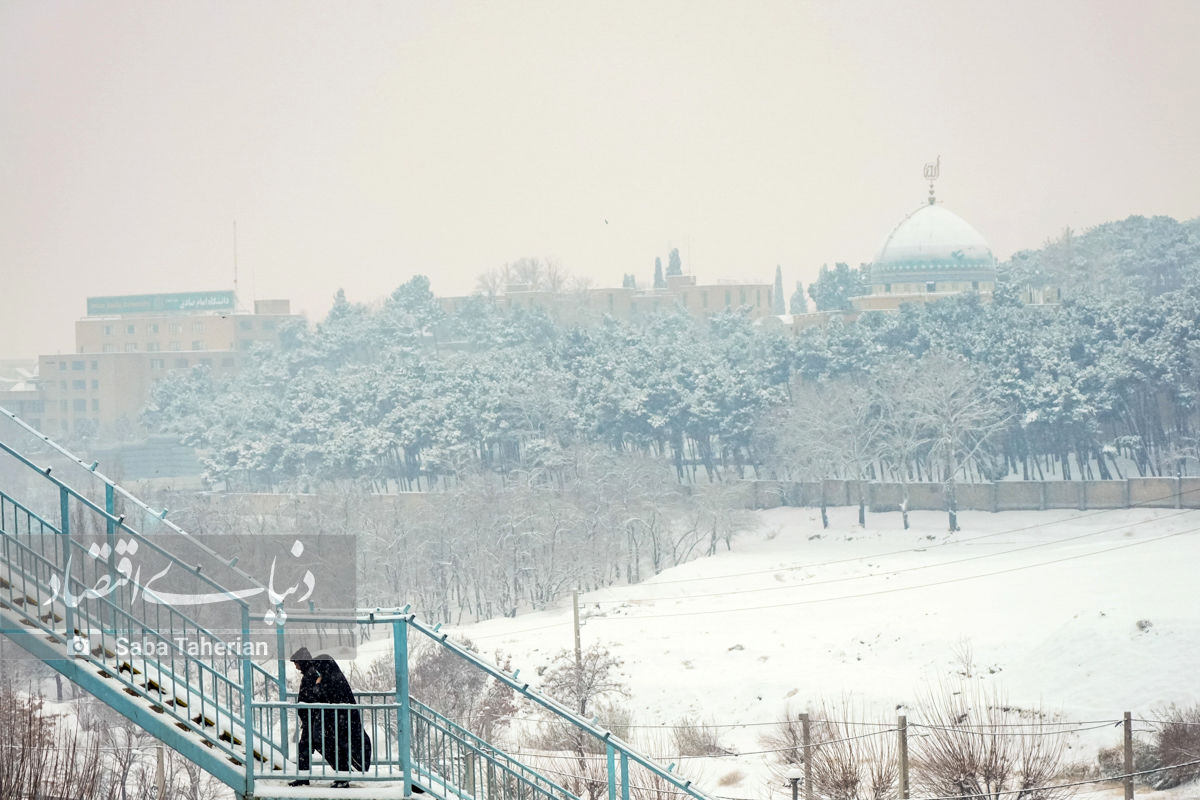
404, 396
492, 545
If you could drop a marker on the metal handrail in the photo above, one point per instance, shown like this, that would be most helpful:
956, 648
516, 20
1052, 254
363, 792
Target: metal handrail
119, 489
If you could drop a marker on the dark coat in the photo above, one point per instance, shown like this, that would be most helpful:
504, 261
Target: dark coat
338, 735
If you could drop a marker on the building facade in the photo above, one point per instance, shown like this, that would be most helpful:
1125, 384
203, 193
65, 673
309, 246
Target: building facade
626, 304
126, 344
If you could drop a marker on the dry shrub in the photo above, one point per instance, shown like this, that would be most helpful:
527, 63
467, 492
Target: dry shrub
731, 778
973, 743
449, 684
1176, 740
555, 733
41, 759
850, 760
1111, 761
693, 738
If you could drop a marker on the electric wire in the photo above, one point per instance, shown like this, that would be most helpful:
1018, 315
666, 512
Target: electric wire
884, 573
948, 540
858, 595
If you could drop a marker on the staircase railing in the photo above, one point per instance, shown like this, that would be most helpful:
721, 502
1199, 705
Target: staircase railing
65, 575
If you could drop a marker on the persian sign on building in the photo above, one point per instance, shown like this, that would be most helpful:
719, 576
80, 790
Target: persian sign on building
176, 302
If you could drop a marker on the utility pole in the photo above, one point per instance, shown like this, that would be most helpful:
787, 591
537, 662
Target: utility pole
578, 648
806, 734
1128, 723
578, 653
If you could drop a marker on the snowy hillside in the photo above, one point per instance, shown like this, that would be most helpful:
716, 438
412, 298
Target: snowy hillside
1084, 614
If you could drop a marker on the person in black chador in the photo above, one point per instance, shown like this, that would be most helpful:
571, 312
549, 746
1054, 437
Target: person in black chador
338, 735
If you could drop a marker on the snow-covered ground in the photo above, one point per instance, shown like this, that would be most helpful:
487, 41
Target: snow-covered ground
1082, 614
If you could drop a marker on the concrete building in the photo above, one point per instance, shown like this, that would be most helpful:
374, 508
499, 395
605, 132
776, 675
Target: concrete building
125, 344
589, 306
19, 391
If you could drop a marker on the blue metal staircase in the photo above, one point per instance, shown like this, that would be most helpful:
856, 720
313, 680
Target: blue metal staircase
68, 599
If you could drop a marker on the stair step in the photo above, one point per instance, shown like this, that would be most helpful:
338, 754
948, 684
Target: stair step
321, 790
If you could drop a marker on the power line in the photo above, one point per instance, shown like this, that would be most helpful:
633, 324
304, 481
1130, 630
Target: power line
892, 590
950, 541
888, 573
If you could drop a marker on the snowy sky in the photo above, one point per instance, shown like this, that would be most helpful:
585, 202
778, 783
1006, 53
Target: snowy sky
356, 144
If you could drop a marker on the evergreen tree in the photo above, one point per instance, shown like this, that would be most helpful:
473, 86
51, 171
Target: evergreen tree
777, 305
674, 264
833, 288
798, 303
629, 281
659, 281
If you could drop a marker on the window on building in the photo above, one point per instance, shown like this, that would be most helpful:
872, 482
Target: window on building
152, 327
131, 329
197, 344
931, 286
174, 345
95, 384
151, 347
157, 363
80, 405
181, 363
197, 327
62, 385
95, 365
246, 324
77, 365
95, 404
62, 365
174, 327
62, 405
109, 348
131, 347
79, 386
108, 330
975, 285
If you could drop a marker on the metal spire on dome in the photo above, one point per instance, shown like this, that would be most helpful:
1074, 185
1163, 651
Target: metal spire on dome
932, 170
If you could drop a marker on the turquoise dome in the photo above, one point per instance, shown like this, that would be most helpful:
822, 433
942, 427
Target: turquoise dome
933, 244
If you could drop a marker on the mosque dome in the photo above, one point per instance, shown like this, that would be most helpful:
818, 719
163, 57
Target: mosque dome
933, 244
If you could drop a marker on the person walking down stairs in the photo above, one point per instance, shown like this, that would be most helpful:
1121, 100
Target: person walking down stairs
338, 735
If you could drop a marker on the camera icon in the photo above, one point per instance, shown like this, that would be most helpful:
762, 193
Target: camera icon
79, 646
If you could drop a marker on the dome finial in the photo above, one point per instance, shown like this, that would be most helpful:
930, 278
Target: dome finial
932, 170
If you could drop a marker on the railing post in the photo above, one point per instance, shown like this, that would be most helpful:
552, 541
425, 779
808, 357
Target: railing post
282, 689
110, 530
64, 527
400, 654
612, 770
624, 776
247, 703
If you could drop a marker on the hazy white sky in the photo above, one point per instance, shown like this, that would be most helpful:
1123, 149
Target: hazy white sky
357, 144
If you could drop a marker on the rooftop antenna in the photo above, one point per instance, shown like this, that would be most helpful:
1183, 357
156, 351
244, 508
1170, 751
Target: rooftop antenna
932, 170
235, 262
